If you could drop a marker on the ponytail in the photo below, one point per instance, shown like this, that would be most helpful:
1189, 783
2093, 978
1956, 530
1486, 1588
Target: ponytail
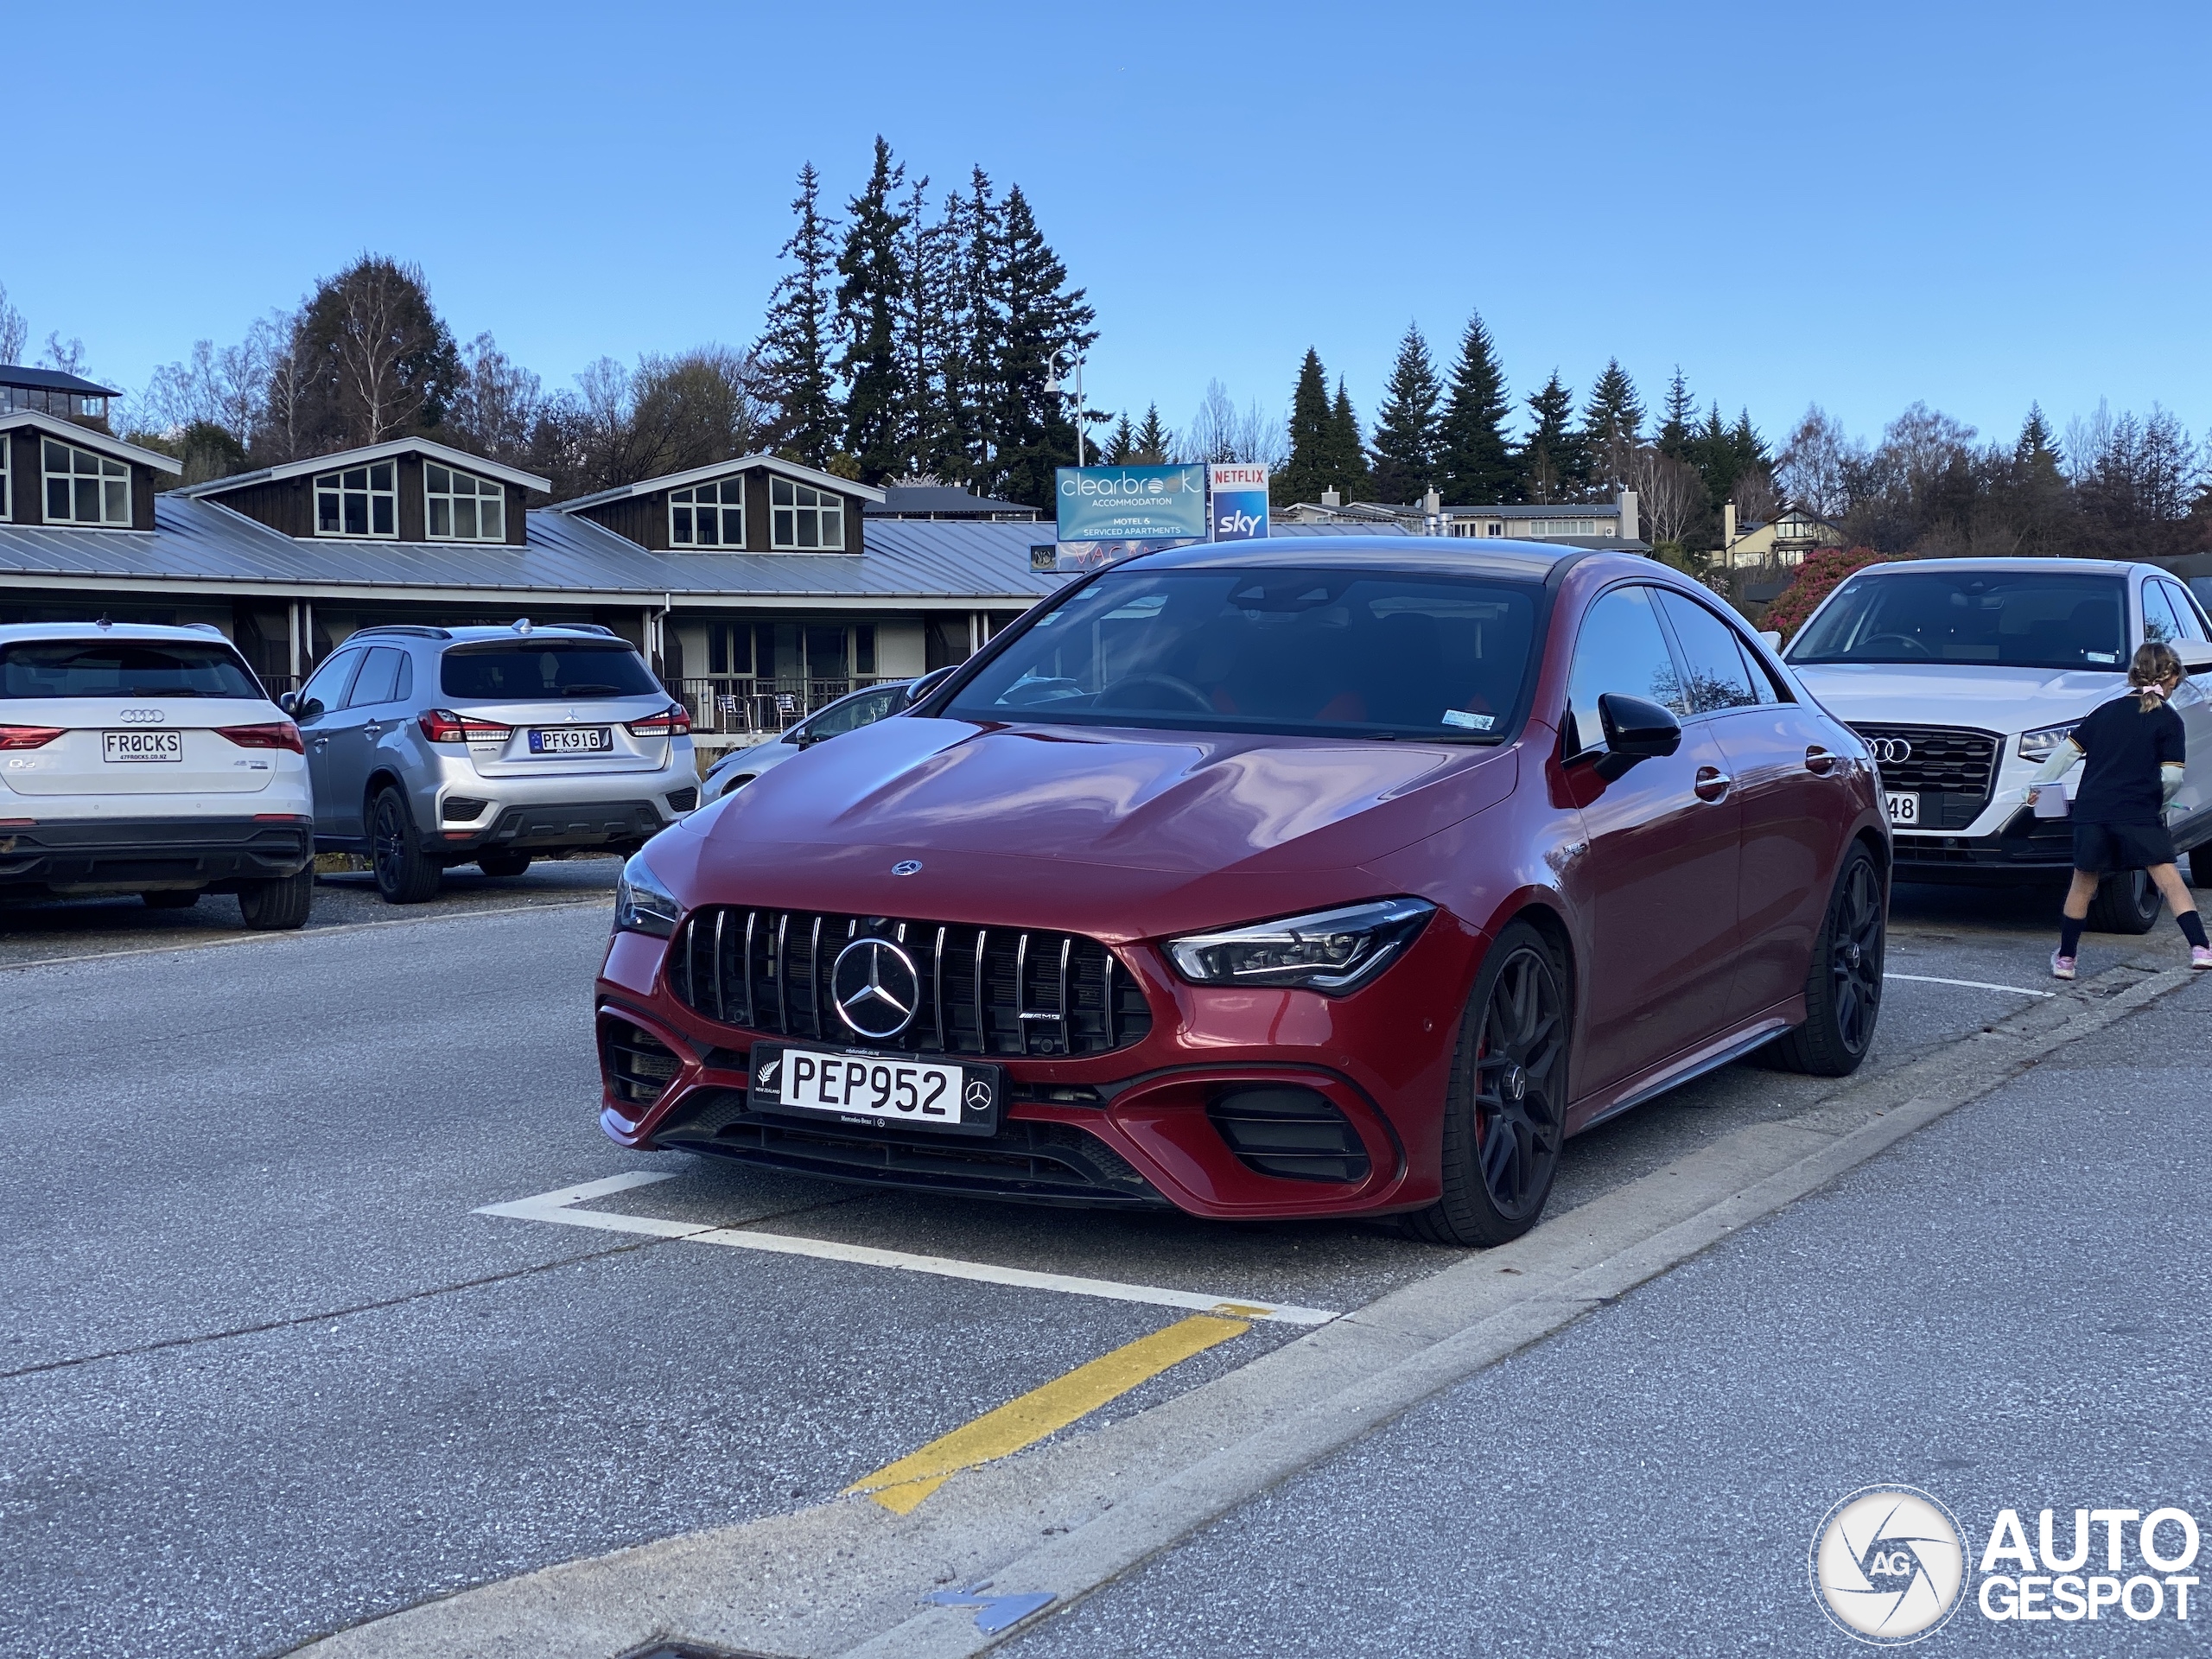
2154, 664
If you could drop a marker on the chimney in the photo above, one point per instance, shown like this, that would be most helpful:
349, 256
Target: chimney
1330, 498
1432, 504
1728, 525
1631, 527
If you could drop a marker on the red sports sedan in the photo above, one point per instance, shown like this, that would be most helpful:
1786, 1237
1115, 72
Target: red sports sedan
1285, 878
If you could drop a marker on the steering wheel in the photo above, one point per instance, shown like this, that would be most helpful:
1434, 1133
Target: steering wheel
1903, 639
1183, 689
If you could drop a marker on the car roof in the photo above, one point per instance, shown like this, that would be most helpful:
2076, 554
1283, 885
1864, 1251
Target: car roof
148, 631
2009, 566
1409, 554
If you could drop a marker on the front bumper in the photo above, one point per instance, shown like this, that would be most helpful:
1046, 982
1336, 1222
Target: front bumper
88, 855
1160, 1122
2023, 849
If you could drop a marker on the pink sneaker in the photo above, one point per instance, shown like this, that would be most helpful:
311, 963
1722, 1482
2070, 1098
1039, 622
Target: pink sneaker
2199, 955
2062, 967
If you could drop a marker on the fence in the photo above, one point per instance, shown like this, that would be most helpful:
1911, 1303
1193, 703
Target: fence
741, 707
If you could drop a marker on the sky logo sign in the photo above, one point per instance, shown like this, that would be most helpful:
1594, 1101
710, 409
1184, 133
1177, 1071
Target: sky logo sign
1238, 494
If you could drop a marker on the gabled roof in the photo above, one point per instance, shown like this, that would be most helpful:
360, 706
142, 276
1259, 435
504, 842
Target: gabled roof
90, 437
16, 374
791, 469
385, 451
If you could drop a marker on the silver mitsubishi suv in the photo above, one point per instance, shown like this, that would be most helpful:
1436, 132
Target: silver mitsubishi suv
430, 747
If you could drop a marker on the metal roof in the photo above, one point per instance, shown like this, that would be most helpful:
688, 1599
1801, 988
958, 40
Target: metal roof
16, 374
90, 437
201, 543
361, 457
942, 501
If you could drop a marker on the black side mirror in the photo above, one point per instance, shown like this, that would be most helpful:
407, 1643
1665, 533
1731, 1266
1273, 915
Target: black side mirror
1635, 729
288, 702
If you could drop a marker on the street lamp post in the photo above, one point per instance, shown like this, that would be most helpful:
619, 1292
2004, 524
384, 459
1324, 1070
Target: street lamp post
1052, 385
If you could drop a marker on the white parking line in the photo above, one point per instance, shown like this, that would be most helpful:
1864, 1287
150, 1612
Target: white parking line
554, 1207
1970, 984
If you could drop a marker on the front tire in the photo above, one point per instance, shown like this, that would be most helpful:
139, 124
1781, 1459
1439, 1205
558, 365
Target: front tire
2127, 901
1843, 987
274, 906
1505, 1108
405, 875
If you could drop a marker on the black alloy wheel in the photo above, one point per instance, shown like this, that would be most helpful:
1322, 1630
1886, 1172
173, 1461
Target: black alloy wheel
2127, 901
1843, 986
404, 875
1505, 1116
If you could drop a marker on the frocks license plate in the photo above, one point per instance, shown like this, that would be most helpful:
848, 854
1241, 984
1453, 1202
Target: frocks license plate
857, 1086
144, 745
571, 740
1904, 807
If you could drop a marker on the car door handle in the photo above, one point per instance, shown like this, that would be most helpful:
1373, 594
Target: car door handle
1819, 762
1712, 784
321, 742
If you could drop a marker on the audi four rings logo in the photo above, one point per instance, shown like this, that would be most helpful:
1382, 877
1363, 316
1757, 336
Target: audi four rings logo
143, 716
1889, 750
876, 988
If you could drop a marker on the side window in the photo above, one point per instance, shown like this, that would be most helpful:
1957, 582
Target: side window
1718, 678
327, 685
861, 711
1762, 681
1619, 648
379, 676
2191, 625
2159, 624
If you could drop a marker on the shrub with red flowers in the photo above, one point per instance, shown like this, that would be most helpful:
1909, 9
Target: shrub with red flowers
1816, 579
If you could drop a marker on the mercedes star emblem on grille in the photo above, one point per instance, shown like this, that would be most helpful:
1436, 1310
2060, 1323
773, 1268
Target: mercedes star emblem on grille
876, 988
1889, 750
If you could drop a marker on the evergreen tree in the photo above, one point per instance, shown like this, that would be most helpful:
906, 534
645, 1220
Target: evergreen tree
1552, 466
929, 300
1676, 431
1475, 462
1612, 426
1406, 436
965, 440
1038, 316
1119, 442
1152, 441
374, 357
794, 353
1347, 455
1307, 472
870, 300
2036, 440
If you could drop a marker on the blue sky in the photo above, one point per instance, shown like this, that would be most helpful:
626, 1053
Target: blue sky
1860, 205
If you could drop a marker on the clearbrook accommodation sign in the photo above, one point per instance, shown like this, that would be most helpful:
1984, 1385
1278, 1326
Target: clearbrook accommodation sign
1106, 513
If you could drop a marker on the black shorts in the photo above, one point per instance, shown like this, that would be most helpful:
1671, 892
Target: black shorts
2100, 848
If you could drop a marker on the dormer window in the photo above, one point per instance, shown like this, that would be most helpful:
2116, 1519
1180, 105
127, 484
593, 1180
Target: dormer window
802, 516
461, 507
83, 488
360, 501
708, 515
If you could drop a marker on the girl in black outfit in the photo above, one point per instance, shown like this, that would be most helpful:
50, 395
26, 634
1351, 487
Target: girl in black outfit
2135, 745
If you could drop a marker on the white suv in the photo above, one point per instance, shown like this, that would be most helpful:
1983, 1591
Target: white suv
1963, 675
147, 760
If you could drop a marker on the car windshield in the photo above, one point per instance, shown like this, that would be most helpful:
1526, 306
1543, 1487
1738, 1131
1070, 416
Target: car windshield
2007, 619
123, 668
1338, 654
543, 668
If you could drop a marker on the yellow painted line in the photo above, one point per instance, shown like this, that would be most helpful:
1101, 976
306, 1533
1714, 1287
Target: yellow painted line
1024, 1421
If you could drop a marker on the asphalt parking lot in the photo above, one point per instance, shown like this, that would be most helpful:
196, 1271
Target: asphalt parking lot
267, 1371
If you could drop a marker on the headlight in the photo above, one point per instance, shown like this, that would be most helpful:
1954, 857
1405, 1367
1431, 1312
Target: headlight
642, 904
1332, 950
2038, 745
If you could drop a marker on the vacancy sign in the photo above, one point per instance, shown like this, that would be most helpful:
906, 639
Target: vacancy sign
1239, 497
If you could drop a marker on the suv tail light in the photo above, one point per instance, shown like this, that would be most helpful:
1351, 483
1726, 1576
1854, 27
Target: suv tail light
28, 737
277, 734
674, 720
443, 726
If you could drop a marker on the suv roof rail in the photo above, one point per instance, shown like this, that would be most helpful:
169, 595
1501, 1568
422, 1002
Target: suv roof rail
412, 630
585, 627
208, 628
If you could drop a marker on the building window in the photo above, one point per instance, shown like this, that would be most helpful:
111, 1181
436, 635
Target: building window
83, 488
360, 501
67, 404
805, 517
7, 481
730, 648
864, 650
1566, 527
708, 515
462, 508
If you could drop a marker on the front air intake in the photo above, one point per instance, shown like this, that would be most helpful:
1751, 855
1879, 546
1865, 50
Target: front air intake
637, 1065
1292, 1132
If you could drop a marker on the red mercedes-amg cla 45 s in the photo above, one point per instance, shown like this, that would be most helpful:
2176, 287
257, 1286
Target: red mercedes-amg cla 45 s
1287, 878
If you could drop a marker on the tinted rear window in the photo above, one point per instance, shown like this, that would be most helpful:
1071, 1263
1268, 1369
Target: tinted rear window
553, 668
123, 668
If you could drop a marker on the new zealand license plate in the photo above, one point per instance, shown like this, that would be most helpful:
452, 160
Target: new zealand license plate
125, 746
571, 740
858, 1086
1904, 806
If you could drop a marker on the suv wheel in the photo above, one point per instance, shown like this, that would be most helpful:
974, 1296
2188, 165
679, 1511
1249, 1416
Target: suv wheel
269, 906
404, 874
503, 860
2126, 902
1505, 1109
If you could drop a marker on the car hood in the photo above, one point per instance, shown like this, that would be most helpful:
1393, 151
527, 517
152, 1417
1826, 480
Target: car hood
2008, 700
1168, 827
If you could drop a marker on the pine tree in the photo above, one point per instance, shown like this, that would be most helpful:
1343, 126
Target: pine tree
2036, 439
1347, 455
1152, 441
1552, 468
870, 301
1612, 426
1122, 440
1676, 431
1038, 316
1307, 472
1406, 436
965, 440
793, 353
1474, 462
924, 336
